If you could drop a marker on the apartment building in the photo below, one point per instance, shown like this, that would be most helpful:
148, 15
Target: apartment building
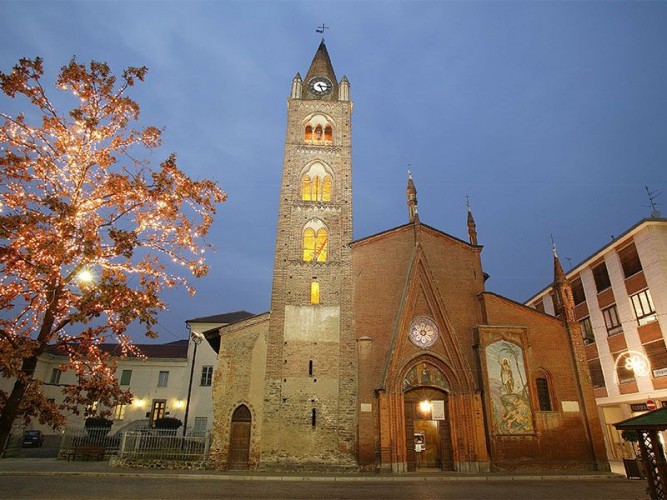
620, 296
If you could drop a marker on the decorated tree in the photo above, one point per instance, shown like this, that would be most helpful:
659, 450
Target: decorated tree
90, 234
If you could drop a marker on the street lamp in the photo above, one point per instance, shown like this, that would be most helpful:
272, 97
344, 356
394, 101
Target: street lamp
197, 339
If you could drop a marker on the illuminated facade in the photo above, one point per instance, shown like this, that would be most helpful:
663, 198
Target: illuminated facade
387, 353
620, 303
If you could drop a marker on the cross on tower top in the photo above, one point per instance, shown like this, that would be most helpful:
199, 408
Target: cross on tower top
320, 29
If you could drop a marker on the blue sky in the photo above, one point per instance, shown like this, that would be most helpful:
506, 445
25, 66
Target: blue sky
551, 116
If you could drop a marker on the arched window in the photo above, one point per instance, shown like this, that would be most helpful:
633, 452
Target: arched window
305, 188
326, 189
318, 129
315, 242
308, 244
317, 183
543, 394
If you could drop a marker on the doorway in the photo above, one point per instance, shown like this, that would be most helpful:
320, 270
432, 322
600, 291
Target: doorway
428, 437
157, 410
239, 444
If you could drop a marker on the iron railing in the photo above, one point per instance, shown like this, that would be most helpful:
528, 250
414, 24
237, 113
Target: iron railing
153, 444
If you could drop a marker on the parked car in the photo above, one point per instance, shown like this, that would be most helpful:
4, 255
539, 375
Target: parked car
33, 438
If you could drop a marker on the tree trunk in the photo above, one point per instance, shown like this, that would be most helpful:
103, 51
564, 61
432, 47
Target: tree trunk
10, 410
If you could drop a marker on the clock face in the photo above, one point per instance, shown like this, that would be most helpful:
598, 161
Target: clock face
320, 86
423, 332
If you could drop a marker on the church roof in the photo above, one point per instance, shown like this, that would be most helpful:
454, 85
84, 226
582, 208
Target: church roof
172, 350
226, 318
368, 239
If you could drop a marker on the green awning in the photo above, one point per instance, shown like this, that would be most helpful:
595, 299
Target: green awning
655, 420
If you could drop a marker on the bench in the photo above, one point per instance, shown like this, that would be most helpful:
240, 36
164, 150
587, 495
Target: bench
87, 452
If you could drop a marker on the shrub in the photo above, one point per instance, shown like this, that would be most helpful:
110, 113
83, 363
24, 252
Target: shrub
169, 423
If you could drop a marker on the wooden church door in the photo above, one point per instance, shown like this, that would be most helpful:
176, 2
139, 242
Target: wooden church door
239, 446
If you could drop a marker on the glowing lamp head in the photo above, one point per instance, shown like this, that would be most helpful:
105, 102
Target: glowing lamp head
425, 407
85, 277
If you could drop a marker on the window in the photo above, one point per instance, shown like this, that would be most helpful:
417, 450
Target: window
318, 130
199, 429
55, 376
314, 292
578, 292
539, 305
657, 356
316, 183
643, 306
543, 396
630, 260
597, 377
206, 375
315, 243
119, 412
587, 331
163, 379
313, 418
611, 320
310, 368
601, 277
125, 377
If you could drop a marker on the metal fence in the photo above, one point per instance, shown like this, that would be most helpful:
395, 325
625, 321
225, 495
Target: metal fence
75, 437
153, 444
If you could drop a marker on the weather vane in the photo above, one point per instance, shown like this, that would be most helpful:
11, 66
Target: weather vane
320, 29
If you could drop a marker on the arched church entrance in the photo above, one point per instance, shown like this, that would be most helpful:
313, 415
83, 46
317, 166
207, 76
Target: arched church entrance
239, 445
427, 424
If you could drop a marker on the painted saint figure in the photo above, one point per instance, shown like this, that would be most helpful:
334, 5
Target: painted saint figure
506, 376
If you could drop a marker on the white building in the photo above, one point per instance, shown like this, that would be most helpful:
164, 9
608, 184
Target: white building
620, 293
174, 380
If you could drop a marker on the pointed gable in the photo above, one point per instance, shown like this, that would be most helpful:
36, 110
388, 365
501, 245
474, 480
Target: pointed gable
321, 66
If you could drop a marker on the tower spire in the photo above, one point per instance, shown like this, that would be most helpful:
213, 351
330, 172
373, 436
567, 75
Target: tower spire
412, 198
472, 227
564, 299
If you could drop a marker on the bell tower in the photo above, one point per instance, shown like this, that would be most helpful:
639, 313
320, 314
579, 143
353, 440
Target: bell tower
310, 391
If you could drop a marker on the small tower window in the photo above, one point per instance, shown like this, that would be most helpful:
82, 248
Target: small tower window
314, 293
317, 183
326, 189
308, 244
310, 368
309, 133
321, 244
313, 418
328, 134
318, 129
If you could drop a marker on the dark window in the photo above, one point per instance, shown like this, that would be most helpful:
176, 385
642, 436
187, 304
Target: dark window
125, 377
597, 378
206, 375
611, 320
163, 379
578, 292
313, 418
55, 376
657, 356
643, 306
543, 395
601, 277
310, 368
587, 331
630, 260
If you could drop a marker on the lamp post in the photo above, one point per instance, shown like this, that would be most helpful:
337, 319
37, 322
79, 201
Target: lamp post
196, 338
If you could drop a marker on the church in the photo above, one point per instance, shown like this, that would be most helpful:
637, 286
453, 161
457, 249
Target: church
387, 354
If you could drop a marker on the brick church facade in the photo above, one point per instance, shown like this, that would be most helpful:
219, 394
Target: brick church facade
387, 353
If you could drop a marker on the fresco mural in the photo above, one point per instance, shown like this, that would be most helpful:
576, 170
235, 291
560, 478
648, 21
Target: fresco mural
425, 374
508, 389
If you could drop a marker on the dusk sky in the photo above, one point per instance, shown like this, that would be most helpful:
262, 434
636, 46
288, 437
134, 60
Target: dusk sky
550, 116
